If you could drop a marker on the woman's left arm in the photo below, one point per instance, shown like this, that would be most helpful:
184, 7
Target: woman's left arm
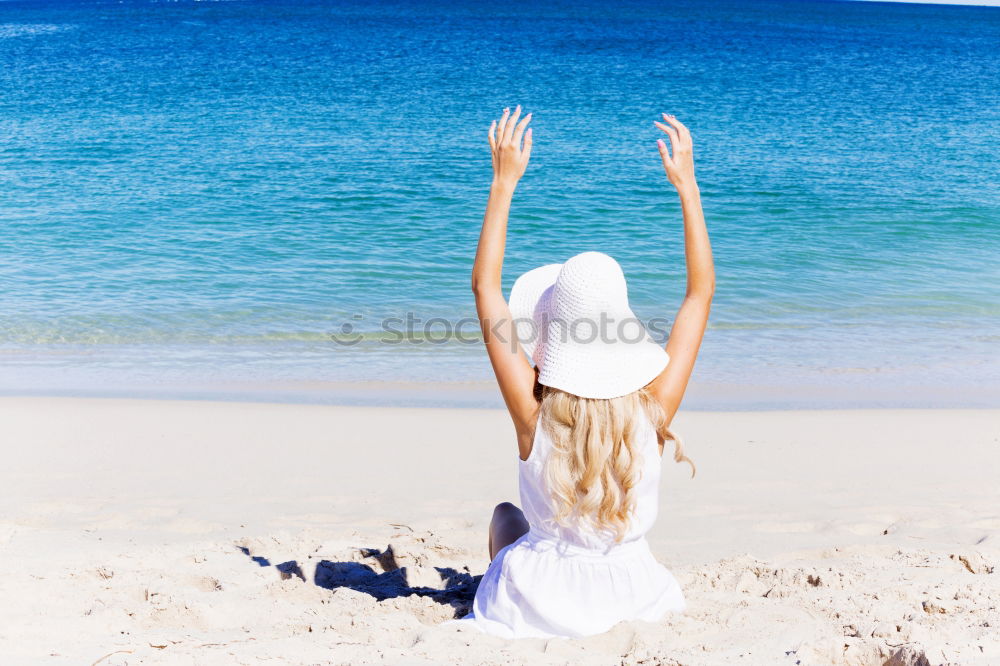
692, 317
513, 371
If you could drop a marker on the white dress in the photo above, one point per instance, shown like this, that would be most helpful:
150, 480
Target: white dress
554, 581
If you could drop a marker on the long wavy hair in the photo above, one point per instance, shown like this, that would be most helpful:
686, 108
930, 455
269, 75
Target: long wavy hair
595, 463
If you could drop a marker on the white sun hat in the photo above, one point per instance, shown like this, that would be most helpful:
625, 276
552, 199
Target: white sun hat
575, 323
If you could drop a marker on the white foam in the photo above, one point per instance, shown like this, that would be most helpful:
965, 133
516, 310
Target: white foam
9, 30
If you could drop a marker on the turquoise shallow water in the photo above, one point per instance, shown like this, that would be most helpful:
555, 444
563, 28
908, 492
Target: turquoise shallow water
195, 196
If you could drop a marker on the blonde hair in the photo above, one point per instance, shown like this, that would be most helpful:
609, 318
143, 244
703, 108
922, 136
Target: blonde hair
595, 465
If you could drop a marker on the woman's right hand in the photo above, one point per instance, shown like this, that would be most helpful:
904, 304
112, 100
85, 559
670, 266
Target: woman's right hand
510, 159
680, 166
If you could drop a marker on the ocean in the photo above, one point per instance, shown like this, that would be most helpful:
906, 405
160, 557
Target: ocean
200, 199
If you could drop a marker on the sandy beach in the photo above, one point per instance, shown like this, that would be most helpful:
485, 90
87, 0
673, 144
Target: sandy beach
258, 262
138, 531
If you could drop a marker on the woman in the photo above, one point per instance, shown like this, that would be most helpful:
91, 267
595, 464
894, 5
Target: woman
591, 416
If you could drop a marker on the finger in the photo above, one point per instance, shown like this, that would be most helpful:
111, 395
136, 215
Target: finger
682, 130
675, 140
668, 163
672, 119
527, 146
667, 129
491, 136
519, 131
661, 145
508, 130
502, 124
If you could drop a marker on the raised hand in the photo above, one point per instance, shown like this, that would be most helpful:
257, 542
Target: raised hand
679, 166
510, 157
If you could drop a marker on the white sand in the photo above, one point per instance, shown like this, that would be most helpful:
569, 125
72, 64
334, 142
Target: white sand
187, 532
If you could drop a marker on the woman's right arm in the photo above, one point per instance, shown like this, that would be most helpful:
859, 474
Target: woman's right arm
692, 317
514, 373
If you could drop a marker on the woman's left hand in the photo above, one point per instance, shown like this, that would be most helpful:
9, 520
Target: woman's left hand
510, 158
680, 166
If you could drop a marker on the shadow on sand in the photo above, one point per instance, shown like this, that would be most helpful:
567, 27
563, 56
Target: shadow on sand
456, 588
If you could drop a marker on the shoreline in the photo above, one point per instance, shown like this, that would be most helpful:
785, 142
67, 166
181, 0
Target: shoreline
701, 396
196, 530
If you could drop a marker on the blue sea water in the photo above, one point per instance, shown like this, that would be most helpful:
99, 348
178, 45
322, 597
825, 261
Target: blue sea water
195, 196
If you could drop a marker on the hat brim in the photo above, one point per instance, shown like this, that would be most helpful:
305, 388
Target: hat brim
602, 370
528, 303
